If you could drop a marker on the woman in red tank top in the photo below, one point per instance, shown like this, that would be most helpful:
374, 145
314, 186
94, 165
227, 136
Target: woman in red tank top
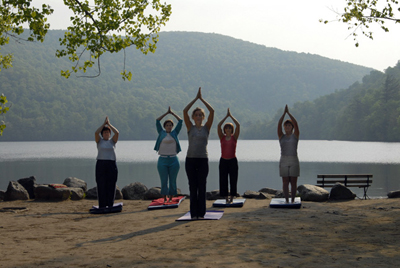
228, 165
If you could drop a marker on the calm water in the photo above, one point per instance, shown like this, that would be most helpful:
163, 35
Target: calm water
52, 162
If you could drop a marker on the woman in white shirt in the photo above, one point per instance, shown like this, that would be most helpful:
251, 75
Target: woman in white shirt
106, 166
289, 167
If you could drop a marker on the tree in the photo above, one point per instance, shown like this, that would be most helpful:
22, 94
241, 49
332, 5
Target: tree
14, 13
97, 27
3, 110
361, 14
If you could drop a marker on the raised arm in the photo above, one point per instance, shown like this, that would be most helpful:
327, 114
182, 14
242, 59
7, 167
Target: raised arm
163, 115
237, 128
174, 114
97, 133
219, 130
186, 116
178, 127
210, 118
280, 132
115, 131
296, 126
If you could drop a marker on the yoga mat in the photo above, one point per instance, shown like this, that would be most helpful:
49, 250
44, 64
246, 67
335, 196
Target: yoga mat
159, 203
281, 203
115, 208
210, 215
236, 203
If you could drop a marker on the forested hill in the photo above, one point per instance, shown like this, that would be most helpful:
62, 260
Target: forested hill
366, 111
253, 80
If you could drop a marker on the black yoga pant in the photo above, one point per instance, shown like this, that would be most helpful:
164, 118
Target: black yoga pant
106, 179
228, 167
197, 172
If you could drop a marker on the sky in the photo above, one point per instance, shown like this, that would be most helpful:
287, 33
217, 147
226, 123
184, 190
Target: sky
290, 25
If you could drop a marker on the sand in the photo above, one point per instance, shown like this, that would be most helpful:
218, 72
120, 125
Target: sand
357, 233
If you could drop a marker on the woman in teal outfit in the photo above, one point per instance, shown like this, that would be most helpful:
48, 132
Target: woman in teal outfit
167, 146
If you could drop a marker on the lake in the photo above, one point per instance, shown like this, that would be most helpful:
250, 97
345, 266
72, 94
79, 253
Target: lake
52, 162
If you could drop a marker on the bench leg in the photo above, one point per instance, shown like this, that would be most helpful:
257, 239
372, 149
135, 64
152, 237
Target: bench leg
365, 193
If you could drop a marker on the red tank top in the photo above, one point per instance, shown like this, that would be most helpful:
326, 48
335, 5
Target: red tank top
228, 148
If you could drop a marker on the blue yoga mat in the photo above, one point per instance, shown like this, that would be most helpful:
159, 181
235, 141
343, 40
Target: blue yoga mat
236, 203
210, 215
115, 208
281, 203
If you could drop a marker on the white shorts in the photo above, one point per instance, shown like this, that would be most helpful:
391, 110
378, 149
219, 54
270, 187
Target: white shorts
289, 166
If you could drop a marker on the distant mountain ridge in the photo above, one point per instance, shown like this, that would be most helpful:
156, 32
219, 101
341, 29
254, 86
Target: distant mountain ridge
253, 80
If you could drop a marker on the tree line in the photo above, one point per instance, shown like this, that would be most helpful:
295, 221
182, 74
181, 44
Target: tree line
366, 111
252, 80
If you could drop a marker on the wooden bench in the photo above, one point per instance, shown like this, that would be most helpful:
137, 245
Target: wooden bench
348, 180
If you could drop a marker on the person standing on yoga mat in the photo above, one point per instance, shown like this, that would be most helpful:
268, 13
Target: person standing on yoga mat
106, 167
289, 166
196, 164
228, 164
167, 146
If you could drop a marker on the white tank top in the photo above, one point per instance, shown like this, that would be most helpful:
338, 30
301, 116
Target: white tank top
167, 146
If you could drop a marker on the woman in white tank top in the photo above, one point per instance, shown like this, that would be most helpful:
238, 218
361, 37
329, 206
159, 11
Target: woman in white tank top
289, 167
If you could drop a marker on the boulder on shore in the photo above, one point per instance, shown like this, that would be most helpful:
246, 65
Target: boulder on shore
77, 193
29, 185
269, 191
134, 191
394, 194
256, 195
92, 193
16, 191
47, 193
214, 195
153, 193
75, 183
310, 192
341, 192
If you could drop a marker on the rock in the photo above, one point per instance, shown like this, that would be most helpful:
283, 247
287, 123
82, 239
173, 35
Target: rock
269, 191
257, 195
77, 193
265, 196
45, 192
394, 194
92, 193
29, 185
214, 195
310, 192
134, 191
341, 192
75, 183
16, 191
153, 193
280, 194
2, 195
118, 194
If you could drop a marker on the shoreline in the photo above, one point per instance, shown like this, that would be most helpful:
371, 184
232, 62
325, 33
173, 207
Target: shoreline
357, 233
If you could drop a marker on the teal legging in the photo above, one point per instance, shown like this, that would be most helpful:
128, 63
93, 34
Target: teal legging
168, 167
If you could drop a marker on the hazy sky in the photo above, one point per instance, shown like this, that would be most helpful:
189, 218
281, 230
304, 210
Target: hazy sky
290, 25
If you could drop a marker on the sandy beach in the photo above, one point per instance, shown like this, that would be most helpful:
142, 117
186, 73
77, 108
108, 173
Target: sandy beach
357, 233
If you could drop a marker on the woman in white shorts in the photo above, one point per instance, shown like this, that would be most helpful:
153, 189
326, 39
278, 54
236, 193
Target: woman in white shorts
289, 167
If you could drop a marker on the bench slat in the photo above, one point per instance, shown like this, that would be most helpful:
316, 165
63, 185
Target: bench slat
327, 176
352, 185
343, 181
